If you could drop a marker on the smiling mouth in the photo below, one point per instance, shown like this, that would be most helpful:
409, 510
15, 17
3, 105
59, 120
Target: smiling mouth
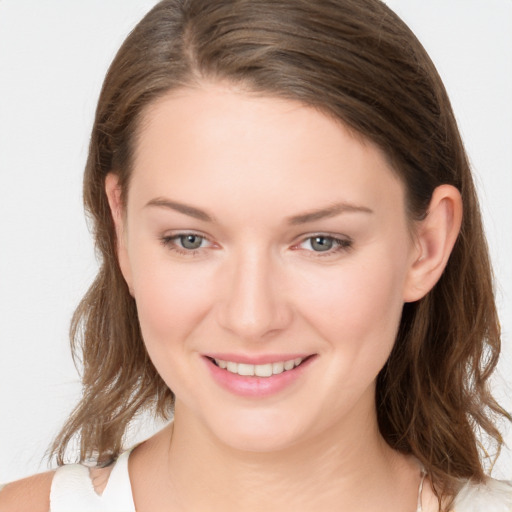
258, 370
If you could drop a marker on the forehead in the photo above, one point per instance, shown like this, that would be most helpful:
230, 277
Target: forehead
215, 141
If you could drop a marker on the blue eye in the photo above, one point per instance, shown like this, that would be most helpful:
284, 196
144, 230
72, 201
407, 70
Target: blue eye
190, 241
325, 244
322, 243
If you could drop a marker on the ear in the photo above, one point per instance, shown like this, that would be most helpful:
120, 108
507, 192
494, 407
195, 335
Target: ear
435, 237
113, 190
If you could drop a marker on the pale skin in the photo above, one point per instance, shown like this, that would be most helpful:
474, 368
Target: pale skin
262, 276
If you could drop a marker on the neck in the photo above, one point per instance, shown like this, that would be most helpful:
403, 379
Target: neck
344, 468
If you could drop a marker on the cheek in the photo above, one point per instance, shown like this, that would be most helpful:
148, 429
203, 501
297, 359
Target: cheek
171, 299
358, 306
171, 303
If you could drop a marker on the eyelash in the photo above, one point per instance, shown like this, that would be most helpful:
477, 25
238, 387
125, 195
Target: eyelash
339, 244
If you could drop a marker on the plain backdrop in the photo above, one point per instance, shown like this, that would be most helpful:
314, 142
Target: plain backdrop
53, 57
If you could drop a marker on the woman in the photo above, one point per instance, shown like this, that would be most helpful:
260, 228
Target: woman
293, 262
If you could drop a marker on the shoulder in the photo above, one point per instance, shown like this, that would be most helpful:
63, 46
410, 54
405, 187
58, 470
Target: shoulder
29, 494
489, 496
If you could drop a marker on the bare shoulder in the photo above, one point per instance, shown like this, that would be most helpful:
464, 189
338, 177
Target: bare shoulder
30, 494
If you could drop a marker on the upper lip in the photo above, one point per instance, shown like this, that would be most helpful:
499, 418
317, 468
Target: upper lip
259, 359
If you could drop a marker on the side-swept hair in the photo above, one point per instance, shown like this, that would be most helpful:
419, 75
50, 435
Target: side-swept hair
356, 61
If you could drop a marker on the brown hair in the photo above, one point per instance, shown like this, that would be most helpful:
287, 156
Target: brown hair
354, 60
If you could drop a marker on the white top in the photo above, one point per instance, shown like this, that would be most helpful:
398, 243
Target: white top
73, 491
493, 496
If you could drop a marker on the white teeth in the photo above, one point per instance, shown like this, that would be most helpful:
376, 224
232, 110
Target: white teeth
245, 369
258, 370
263, 370
289, 365
277, 368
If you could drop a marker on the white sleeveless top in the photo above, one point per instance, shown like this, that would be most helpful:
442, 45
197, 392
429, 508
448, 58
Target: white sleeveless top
73, 491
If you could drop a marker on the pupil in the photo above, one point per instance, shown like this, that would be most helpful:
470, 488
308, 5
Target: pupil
191, 241
322, 243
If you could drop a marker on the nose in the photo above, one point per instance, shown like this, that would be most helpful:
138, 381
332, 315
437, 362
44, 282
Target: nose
253, 305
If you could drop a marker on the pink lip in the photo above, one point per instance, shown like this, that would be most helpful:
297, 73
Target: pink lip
255, 387
263, 359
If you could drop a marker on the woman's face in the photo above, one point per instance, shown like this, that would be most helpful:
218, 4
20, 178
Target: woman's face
260, 234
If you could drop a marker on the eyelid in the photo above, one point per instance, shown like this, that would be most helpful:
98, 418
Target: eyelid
327, 234
178, 233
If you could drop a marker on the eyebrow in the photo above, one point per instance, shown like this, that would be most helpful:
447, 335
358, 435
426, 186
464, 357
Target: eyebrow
325, 213
186, 209
302, 218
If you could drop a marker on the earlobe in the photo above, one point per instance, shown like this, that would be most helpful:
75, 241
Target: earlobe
435, 238
114, 195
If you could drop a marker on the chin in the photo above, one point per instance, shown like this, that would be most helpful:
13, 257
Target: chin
257, 431
259, 442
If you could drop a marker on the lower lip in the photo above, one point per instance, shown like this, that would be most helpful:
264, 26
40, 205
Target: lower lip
256, 387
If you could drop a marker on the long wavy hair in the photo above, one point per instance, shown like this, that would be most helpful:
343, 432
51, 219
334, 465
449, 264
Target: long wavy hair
354, 60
